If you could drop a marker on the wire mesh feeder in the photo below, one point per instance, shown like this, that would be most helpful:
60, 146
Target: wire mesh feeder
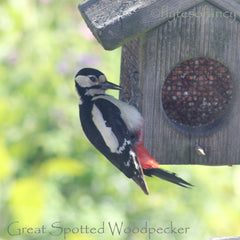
197, 92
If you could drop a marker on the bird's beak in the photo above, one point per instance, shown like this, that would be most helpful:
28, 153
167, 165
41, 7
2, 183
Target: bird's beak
108, 85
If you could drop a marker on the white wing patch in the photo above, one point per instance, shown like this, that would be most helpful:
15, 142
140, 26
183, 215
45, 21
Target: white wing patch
130, 115
134, 159
108, 136
122, 148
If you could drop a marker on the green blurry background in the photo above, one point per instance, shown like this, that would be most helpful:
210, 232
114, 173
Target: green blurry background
48, 170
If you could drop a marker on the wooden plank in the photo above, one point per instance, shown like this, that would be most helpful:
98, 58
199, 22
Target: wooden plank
148, 73
130, 73
163, 141
220, 146
114, 23
226, 5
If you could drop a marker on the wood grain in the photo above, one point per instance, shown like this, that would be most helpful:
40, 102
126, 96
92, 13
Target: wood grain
170, 32
130, 73
114, 23
161, 49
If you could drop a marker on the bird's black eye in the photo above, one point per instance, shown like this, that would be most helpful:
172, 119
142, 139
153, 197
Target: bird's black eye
93, 78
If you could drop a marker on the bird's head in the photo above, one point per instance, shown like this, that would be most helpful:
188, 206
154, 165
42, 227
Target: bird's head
91, 82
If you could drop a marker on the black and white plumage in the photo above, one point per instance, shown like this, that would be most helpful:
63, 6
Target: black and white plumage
109, 124
115, 129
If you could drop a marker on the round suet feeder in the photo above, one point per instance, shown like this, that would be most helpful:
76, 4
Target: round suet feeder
197, 93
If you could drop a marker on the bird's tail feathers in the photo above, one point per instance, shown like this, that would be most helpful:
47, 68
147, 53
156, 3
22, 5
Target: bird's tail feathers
138, 176
141, 182
168, 176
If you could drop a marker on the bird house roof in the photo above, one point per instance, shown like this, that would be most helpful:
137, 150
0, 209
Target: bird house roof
114, 23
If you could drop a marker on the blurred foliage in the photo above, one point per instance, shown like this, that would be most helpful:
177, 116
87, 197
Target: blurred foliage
49, 173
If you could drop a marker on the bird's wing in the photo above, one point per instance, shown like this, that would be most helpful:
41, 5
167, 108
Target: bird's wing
107, 118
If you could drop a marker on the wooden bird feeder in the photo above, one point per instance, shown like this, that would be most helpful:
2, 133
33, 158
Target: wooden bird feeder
181, 68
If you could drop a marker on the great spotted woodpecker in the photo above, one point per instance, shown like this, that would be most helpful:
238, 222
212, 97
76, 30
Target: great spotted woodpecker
115, 129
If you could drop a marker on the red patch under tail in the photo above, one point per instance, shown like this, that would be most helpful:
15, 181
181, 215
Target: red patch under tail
146, 161
151, 167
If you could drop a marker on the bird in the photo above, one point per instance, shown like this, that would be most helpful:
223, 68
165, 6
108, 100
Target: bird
115, 128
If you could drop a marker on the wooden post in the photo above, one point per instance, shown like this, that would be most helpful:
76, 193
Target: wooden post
130, 73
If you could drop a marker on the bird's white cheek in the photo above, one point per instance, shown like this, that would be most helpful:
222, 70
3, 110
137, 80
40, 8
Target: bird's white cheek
83, 81
108, 136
